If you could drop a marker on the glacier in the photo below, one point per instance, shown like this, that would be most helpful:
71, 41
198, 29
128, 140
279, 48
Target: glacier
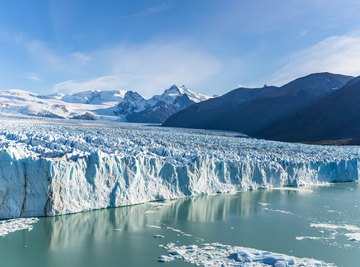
52, 167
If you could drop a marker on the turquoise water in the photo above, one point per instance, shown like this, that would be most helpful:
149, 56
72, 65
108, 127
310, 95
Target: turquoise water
272, 220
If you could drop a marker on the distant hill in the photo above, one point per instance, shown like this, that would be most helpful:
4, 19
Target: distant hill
251, 110
334, 119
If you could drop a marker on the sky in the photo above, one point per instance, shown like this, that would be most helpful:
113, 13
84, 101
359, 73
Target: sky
211, 46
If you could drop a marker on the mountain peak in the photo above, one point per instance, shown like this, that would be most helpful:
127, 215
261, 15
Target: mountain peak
174, 89
132, 95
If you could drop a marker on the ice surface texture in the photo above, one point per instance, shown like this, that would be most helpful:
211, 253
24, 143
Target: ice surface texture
51, 168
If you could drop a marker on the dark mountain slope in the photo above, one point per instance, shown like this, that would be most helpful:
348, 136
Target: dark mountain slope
334, 119
209, 114
156, 114
283, 102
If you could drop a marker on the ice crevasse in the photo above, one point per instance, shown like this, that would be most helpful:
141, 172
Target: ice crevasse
48, 170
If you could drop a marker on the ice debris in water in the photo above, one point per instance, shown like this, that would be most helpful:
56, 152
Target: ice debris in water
334, 226
14, 225
216, 254
354, 230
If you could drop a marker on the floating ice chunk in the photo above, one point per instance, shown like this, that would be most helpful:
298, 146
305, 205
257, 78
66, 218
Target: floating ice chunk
153, 226
308, 237
179, 232
242, 256
14, 225
216, 254
280, 211
333, 211
353, 236
164, 258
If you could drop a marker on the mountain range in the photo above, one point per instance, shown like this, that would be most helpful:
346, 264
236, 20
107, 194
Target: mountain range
134, 108
318, 108
93, 104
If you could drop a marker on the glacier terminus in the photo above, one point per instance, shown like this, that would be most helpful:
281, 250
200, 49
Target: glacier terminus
54, 167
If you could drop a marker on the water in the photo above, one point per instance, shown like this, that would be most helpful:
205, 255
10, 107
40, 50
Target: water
267, 220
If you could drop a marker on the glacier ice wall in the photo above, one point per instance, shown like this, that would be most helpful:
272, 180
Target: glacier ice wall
53, 168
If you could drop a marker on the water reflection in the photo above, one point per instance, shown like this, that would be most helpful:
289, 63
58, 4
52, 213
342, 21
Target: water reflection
268, 220
95, 226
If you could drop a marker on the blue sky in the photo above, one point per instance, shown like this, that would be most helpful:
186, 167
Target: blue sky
212, 46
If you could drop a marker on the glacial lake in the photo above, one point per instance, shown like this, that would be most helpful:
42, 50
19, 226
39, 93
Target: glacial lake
314, 222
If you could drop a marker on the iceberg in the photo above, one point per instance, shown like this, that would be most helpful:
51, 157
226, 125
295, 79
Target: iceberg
51, 167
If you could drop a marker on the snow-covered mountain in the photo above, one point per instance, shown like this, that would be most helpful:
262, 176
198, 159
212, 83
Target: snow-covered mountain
18, 102
157, 109
96, 97
95, 104
170, 95
132, 102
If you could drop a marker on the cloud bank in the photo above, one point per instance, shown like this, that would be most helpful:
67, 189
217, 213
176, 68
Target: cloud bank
337, 54
148, 68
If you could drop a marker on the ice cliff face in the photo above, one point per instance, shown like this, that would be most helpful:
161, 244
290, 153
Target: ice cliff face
56, 168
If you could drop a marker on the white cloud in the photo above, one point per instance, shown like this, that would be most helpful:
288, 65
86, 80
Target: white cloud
337, 54
49, 60
147, 11
147, 68
33, 77
82, 58
100, 83
39, 52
